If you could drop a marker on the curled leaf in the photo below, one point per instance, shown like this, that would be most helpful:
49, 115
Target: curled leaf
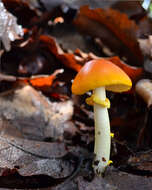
78, 58
41, 81
68, 59
44, 81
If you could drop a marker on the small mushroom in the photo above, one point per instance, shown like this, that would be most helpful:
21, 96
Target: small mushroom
100, 75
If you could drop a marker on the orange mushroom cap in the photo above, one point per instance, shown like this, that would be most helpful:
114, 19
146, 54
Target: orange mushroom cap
98, 73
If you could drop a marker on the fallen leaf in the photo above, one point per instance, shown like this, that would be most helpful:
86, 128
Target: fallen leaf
70, 61
92, 21
10, 30
31, 115
41, 82
132, 8
141, 162
21, 152
67, 59
23, 160
21, 10
97, 183
118, 179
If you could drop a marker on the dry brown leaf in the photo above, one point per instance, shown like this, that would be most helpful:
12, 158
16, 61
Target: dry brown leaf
29, 114
68, 59
78, 58
117, 23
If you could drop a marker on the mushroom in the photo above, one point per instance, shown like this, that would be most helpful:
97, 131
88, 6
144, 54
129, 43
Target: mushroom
100, 75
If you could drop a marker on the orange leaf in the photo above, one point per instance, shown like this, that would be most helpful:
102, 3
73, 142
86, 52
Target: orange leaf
69, 60
41, 81
50, 43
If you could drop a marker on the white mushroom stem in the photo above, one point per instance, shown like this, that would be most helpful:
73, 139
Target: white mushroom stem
102, 133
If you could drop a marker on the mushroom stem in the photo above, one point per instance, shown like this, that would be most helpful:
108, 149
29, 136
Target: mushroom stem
102, 133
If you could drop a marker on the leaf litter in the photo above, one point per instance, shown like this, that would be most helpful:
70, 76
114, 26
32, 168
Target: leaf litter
47, 134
